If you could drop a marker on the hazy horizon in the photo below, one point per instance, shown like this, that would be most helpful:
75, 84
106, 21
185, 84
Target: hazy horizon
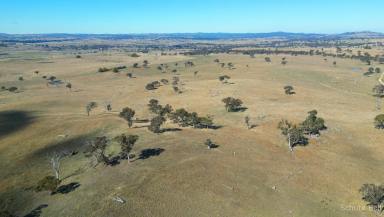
159, 33
171, 16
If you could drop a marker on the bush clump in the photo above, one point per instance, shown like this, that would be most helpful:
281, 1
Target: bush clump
374, 195
103, 69
379, 121
232, 104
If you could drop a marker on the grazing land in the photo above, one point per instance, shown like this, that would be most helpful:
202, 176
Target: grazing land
251, 171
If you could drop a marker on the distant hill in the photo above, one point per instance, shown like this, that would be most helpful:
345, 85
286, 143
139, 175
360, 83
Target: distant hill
364, 34
34, 38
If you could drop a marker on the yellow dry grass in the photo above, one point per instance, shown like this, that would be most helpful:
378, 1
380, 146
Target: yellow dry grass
251, 173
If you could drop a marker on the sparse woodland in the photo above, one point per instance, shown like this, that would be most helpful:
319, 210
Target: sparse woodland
223, 111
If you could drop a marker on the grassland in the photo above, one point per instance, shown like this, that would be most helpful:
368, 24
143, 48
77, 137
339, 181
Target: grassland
252, 172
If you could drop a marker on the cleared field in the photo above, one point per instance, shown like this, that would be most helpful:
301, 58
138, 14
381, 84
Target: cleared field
252, 172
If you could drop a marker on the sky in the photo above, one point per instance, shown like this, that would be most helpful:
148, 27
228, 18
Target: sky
184, 16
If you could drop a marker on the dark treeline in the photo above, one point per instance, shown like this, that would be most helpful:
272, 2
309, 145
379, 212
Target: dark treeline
366, 57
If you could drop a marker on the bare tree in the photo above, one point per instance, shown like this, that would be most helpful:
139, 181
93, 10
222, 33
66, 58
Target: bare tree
55, 160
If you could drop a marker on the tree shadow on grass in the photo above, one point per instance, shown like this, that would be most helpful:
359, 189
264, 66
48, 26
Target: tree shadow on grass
12, 121
71, 145
213, 146
37, 211
253, 126
170, 130
214, 127
142, 121
114, 160
150, 152
67, 147
65, 189
241, 109
137, 127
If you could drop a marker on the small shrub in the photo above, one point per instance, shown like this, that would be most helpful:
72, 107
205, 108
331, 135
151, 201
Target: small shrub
224, 78
176, 89
209, 143
52, 78
69, 86
135, 55
378, 90
150, 86
48, 183
288, 90
12, 89
164, 81
156, 84
373, 195
145, 63
103, 69
379, 121
232, 104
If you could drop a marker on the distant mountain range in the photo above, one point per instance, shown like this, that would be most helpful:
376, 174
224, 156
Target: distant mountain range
31, 38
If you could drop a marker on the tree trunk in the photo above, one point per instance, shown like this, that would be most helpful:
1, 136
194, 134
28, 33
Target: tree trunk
57, 175
378, 103
289, 142
55, 163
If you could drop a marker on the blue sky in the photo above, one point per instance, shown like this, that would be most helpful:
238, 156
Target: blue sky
165, 16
